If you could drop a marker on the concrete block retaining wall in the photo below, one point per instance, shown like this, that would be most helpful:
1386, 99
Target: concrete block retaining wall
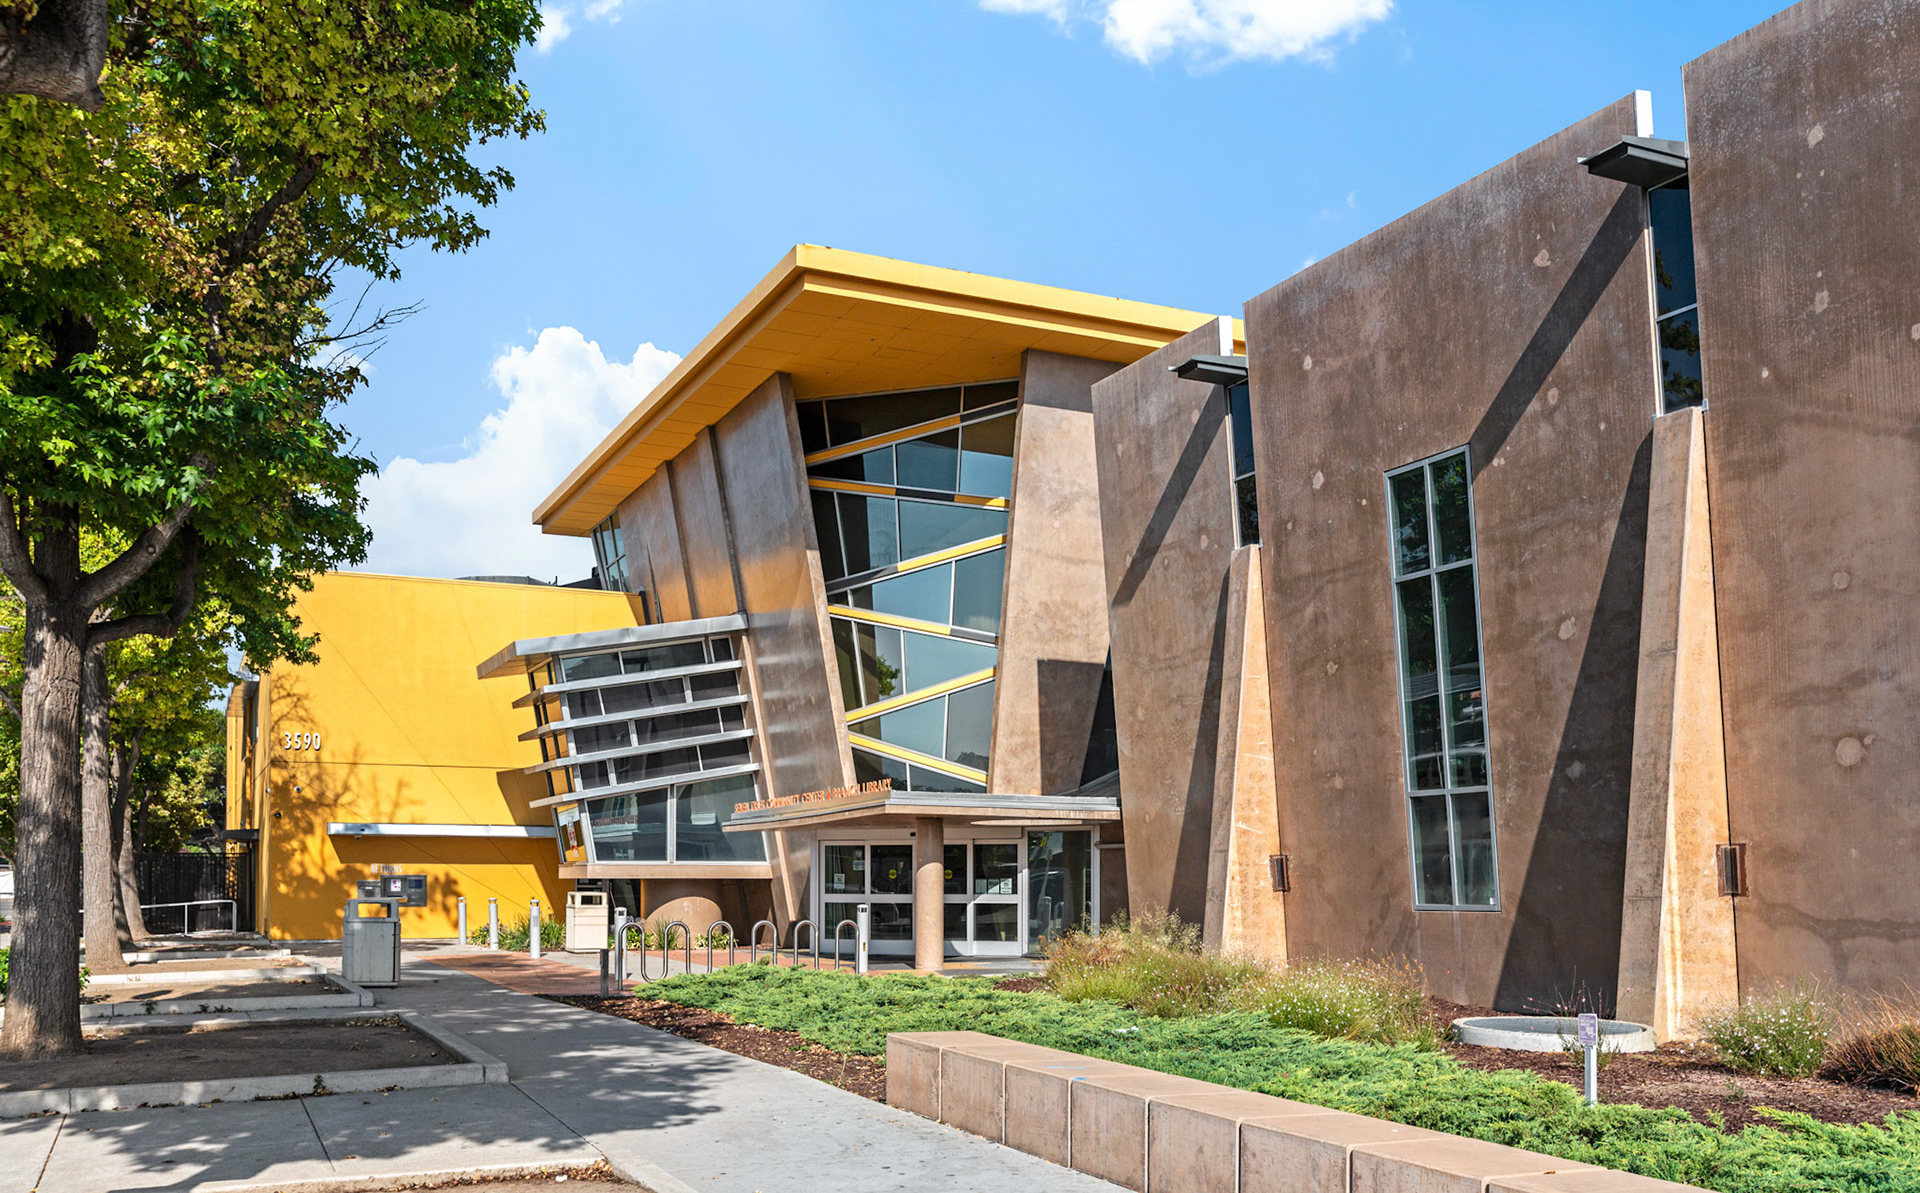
1160, 1133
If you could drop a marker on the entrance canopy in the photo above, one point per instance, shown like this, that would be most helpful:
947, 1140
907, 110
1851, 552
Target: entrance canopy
887, 807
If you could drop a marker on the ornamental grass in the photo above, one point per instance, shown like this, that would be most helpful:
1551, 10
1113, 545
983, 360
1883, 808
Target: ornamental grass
1782, 1032
1880, 1043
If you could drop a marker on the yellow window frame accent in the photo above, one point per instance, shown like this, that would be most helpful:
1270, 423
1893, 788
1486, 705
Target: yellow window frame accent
920, 695
885, 439
876, 746
875, 490
868, 616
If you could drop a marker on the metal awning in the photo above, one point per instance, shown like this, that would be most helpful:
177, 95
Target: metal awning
1640, 161
518, 658
884, 807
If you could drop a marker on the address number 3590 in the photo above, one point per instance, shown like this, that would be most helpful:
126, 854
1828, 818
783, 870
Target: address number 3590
300, 741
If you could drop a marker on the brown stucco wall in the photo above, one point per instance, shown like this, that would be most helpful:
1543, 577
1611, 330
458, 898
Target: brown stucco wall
1167, 526
1511, 315
1053, 624
1805, 180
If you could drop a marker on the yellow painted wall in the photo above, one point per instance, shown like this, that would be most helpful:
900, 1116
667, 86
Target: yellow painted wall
408, 734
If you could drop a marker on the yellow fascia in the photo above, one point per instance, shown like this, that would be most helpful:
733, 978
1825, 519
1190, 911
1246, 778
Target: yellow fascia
877, 746
840, 322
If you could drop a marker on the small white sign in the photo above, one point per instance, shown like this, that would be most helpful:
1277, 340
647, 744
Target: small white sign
1589, 1031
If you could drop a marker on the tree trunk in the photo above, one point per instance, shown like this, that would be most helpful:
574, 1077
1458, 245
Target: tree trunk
99, 880
43, 972
126, 850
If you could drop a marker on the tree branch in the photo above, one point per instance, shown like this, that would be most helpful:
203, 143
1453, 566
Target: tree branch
255, 230
157, 625
133, 563
12, 703
16, 558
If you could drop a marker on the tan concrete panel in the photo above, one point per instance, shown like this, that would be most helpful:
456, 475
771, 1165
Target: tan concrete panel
1677, 931
1167, 531
1587, 1180
1512, 316
803, 740
1053, 625
913, 1074
1445, 1165
1108, 1121
1308, 1153
703, 530
1043, 1090
651, 534
1193, 1140
1803, 182
1245, 915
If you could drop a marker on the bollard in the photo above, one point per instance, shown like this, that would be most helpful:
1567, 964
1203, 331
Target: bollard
493, 922
463, 919
862, 932
1590, 1044
533, 928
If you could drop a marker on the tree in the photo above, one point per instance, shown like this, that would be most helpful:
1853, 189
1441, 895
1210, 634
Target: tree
165, 265
54, 49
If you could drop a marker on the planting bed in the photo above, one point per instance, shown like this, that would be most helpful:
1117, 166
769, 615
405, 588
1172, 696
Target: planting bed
147, 1057
789, 1050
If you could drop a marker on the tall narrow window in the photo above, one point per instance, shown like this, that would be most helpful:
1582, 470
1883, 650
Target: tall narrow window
610, 552
1675, 306
1240, 415
1442, 698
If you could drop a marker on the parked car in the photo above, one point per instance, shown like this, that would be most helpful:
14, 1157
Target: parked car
6, 892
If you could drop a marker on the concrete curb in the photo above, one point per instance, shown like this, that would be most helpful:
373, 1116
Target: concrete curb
361, 1184
215, 1021
254, 973
234, 954
478, 1067
350, 995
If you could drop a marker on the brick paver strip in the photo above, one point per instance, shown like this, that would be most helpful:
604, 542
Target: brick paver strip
521, 973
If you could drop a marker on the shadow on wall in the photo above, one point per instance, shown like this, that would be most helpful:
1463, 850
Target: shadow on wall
1565, 935
1193, 454
311, 876
1066, 720
1569, 908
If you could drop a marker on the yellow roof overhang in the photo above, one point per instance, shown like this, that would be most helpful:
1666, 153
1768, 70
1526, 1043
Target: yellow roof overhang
847, 323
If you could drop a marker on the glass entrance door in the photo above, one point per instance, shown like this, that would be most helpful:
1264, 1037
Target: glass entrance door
1059, 883
983, 898
880, 875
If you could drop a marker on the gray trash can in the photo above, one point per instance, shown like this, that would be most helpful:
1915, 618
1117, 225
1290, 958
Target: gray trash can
370, 942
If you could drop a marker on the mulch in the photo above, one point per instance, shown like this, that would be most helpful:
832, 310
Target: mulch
786, 1049
1685, 1076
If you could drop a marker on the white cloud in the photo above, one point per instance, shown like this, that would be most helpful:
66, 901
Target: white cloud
555, 27
469, 516
1210, 32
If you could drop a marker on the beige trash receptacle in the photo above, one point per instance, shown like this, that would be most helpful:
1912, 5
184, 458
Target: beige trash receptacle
587, 922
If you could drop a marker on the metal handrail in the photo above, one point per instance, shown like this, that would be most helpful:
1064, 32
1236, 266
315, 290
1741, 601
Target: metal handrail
813, 938
730, 943
666, 945
186, 918
836, 940
753, 941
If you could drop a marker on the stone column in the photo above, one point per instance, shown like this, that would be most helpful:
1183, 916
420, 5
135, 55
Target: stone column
929, 892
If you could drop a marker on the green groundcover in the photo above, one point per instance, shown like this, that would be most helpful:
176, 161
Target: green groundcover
1401, 1083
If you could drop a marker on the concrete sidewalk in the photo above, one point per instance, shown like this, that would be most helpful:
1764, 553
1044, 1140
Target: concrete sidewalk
676, 1115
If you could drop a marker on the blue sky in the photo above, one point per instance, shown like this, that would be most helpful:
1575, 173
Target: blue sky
1103, 145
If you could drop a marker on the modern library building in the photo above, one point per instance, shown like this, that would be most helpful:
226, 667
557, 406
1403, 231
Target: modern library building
1527, 590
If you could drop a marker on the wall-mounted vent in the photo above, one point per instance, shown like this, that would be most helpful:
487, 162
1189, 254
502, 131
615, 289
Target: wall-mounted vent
1277, 867
1730, 866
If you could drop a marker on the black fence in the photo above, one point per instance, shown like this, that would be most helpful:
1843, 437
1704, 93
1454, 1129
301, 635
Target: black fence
186, 892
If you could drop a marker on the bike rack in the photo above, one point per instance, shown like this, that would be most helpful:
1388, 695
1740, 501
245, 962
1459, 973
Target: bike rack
813, 939
730, 942
753, 942
836, 940
666, 947
641, 927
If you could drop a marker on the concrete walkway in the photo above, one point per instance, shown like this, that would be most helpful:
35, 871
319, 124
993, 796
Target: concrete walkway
674, 1114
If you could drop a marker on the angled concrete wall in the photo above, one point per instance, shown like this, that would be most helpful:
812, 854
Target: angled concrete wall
1677, 930
1804, 181
1510, 316
1053, 622
1167, 525
651, 534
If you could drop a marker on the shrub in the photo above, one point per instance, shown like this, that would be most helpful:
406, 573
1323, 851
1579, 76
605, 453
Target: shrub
1397, 1082
1880, 1044
3, 971
1381, 1001
516, 935
1781, 1033
1153, 964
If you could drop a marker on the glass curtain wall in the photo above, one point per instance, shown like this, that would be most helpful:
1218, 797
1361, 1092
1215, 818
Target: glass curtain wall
1443, 699
653, 747
911, 493
610, 552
